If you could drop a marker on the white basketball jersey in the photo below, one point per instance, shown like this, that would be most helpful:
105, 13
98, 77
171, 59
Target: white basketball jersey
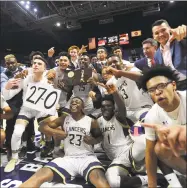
114, 141
59, 78
133, 96
159, 116
81, 91
76, 130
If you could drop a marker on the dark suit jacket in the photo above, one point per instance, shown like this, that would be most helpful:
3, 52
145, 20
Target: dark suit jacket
178, 53
142, 64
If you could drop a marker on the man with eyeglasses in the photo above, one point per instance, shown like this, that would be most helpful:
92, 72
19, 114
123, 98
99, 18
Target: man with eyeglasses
169, 109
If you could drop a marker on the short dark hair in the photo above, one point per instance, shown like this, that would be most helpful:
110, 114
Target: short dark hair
113, 55
159, 22
108, 98
102, 47
93, 55
150, 41
42, 59
64, 54
157, 71
33, 53
85, 54
116, 48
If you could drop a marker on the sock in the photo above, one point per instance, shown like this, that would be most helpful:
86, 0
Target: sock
24, 144
144, 180
15, 155
56, 148
173, 180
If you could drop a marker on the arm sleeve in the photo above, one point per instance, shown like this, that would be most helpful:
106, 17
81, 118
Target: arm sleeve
3, 102
51, 62
8, 94
4, 80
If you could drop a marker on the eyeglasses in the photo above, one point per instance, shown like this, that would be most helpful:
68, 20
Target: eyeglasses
159, 87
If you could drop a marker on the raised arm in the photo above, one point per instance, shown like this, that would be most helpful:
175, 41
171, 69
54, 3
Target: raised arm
133, 75
121, 109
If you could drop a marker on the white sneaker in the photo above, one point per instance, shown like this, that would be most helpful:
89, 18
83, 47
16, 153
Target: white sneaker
11, 165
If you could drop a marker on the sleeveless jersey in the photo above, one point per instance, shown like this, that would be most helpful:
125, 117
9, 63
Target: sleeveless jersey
76, 130
114, 141
133, 96
81, 91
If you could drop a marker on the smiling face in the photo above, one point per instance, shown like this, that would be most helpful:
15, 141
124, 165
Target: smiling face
107, 109
114, 62
73, 53
76, 105
11, 64
161, 33
164, 95
38, 66
149, 50
63, 63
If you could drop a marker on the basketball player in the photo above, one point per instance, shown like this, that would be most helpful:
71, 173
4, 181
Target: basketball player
116, 142
169, 109
136, 101
39, 66
84, 88
79, 157
56, 75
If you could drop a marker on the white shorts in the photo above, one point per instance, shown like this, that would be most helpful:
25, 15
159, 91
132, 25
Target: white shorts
28, 113
122, 159
68, 167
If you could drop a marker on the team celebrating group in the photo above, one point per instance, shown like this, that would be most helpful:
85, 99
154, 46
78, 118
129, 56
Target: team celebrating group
133, 112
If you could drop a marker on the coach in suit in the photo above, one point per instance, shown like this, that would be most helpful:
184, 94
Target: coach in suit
173, 49
149, 48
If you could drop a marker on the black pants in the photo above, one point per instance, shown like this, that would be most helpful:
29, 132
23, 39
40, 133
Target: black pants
10, 129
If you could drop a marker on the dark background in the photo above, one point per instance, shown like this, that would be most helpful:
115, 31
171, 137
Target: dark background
22, 43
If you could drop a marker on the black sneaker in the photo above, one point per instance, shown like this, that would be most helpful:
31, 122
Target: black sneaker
46, 150
23, 152
33, 148
3, 150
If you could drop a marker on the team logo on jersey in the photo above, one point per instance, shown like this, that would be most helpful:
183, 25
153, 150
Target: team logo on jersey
105, 129
77, 129
165, 123
122, 85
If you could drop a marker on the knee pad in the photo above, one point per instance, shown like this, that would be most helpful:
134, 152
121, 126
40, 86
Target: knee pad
18, 130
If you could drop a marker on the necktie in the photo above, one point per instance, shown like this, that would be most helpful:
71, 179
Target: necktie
152, 62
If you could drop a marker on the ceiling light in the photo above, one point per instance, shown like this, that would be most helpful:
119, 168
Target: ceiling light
28, 2
104, 5
58, 24
171, 1
27, 7
35, 10
22, 2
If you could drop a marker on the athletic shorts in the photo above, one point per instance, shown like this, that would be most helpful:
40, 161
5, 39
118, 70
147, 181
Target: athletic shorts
28, 113
67, 167
123, 160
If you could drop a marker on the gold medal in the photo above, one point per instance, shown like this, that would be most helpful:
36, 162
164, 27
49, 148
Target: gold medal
70, 74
